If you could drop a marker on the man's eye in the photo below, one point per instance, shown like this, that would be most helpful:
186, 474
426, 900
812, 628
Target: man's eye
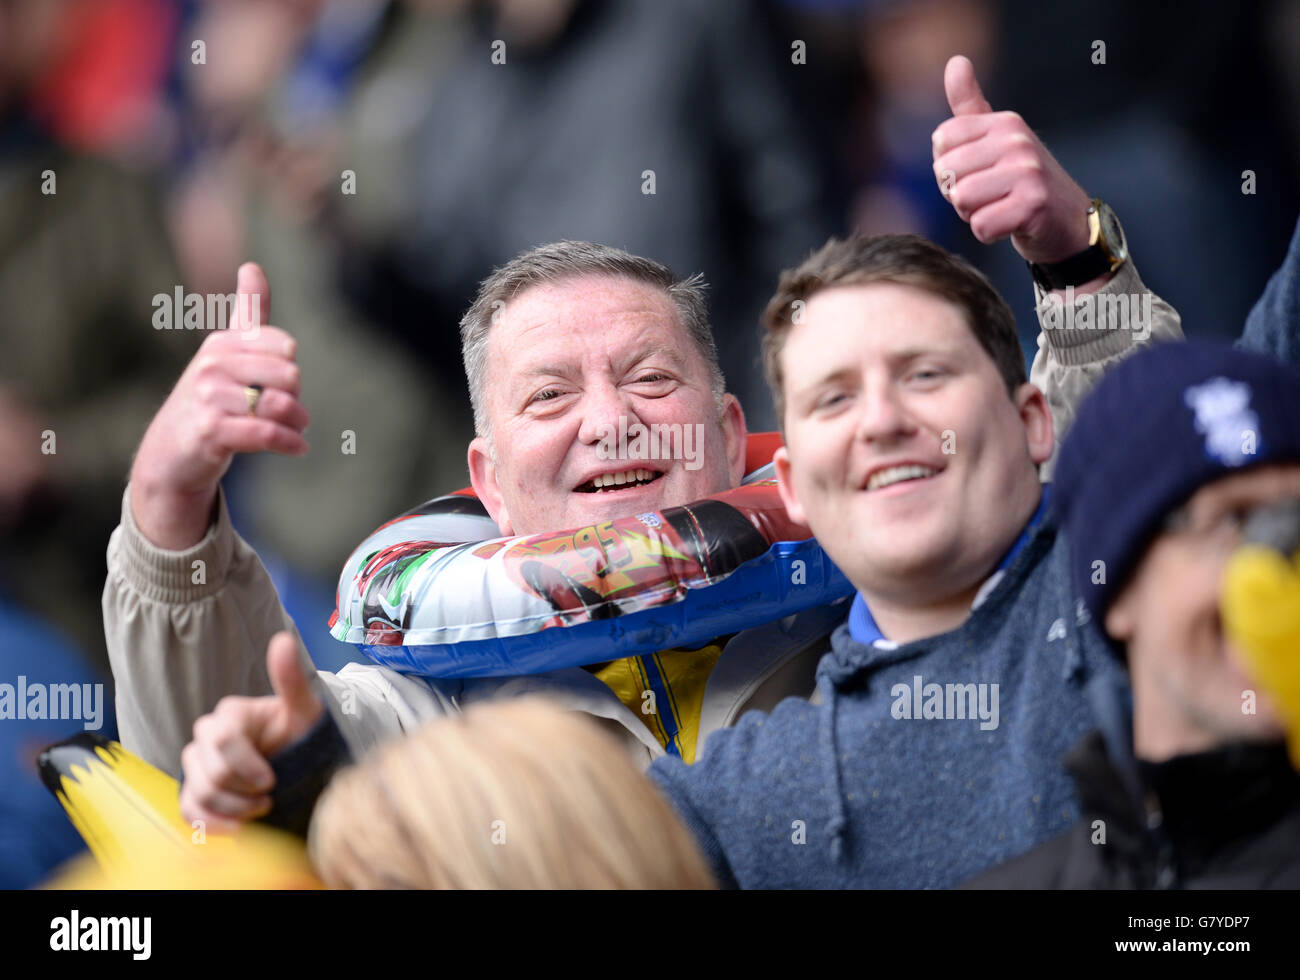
830, 400
654, 384
1234, 519
546, 395
926, 374
1228, 525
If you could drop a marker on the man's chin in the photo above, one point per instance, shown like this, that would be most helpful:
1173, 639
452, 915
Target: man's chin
897, 569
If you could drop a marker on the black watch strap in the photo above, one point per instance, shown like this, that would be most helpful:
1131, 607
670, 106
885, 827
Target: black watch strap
1074, 271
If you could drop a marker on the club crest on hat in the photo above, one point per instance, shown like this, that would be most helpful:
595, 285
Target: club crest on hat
1225, 418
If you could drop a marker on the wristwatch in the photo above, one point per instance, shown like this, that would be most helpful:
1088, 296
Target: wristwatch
1106, 252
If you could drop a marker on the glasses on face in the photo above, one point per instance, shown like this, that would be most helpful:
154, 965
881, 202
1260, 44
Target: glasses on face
1221, 532
1276, 524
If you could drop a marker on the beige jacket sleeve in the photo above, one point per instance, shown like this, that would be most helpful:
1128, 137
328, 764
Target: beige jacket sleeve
186, 628
1082, 337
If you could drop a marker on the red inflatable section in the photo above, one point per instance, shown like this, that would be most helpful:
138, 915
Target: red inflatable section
761, 448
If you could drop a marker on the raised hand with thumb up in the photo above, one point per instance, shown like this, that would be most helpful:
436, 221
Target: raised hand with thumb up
1000, 178
227, 776
239, 394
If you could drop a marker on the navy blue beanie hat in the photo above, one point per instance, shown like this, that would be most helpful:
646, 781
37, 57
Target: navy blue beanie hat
1158, 427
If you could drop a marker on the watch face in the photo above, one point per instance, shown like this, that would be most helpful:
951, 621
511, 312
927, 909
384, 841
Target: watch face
1112, 234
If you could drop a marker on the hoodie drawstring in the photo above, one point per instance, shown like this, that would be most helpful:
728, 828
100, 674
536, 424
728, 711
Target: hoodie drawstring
838, 818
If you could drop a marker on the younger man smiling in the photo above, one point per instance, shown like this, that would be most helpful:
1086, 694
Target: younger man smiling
914, 444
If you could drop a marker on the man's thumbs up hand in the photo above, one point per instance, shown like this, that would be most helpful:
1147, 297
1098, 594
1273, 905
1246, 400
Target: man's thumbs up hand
296, 706
253, 299
227, 776
963, 89
1000, 178
239, 394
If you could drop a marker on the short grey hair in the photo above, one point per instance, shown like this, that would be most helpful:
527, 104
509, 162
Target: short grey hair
568, 260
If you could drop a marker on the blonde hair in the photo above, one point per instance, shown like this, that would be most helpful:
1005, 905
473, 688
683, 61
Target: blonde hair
511, 794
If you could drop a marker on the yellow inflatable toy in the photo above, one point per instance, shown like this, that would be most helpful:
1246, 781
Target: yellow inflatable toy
1261, 609
128, 812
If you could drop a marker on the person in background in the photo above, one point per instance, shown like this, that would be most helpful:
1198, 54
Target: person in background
83, 247
1194, 789
1268, 326
35, 836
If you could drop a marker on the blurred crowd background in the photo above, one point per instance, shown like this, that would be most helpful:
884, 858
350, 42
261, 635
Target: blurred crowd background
186, 137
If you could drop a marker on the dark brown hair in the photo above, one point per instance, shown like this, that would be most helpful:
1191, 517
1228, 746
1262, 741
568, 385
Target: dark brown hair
907, 259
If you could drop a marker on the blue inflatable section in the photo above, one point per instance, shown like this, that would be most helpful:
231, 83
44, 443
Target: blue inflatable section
791, 577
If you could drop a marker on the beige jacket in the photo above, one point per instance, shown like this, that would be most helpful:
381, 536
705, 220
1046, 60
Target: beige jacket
186, 628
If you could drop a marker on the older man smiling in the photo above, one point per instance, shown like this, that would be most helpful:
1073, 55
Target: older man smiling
562, 342
603, 339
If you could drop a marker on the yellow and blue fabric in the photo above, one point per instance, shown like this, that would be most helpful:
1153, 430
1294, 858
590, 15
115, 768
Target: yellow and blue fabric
675, 679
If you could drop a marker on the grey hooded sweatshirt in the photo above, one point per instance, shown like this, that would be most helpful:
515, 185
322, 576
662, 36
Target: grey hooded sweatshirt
923, 764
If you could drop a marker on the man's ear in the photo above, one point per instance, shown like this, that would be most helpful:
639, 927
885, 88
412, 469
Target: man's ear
483, 478
736, 435
1031, 404
785, 486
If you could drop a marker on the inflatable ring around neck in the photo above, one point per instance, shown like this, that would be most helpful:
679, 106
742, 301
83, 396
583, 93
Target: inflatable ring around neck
440, 593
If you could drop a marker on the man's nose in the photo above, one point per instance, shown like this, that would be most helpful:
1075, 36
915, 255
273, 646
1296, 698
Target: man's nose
602, 406
882, 415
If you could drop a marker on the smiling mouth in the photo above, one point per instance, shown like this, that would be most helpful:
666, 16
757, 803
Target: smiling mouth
899, 474
614, 482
